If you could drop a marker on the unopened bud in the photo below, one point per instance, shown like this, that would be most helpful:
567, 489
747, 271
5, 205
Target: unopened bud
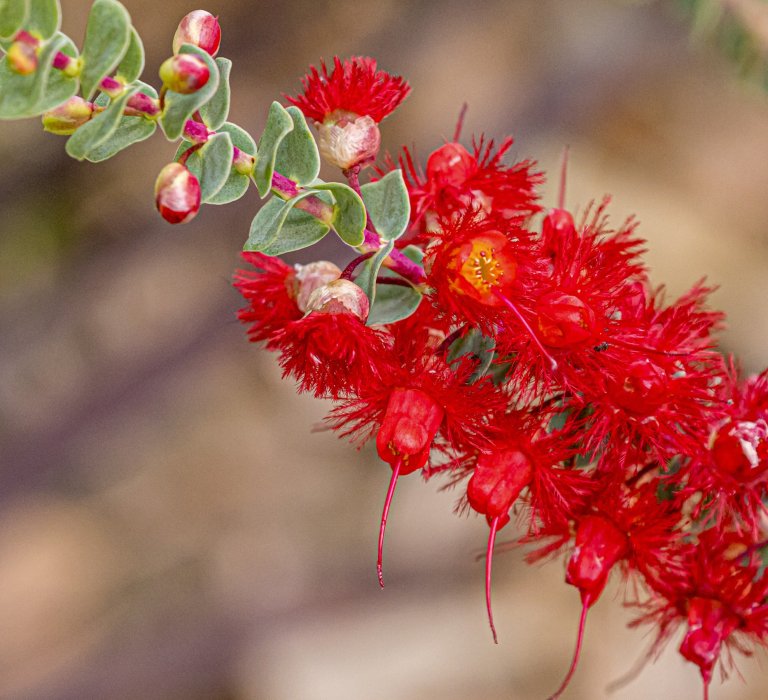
177, 194
243, 163
201, 29
311, 277
339, 297
450, 165
349, 140
22, 53
68, 117
184, 73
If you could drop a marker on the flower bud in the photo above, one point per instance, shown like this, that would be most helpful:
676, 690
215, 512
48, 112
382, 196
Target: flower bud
564, 320
312, 276
184, 73
22, 54
451, 165
709, 625
347, 140
339, 297
67, 117
177, 194
201, 29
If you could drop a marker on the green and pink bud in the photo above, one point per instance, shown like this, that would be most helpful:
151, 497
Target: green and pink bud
201, 29
177, 194
22, 53
184, 73
348, 140
68, 117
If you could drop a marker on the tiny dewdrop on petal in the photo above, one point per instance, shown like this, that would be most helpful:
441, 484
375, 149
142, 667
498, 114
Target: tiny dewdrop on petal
177, 194
184, 73
201, 29
68, 116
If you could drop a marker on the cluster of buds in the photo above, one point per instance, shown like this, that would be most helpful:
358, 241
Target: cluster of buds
542, 374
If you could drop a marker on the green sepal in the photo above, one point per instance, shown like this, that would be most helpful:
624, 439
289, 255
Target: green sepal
297, 155
477, 346
279, 124
217, 163
267, 226
216, 110
95, 132
13, 14
367, 277
29, 95
388, 204
237, 184
129, 130
393, 303
179, 108
348, 212
132, 64
107, 38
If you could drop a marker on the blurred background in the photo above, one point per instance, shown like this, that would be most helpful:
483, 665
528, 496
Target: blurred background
170, 525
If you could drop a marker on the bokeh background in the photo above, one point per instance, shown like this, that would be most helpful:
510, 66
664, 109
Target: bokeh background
171, 527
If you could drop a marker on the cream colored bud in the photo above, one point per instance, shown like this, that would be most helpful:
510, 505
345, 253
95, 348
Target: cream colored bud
349, 140
310, 277
339, 297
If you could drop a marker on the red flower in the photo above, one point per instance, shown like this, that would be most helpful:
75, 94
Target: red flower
354, 86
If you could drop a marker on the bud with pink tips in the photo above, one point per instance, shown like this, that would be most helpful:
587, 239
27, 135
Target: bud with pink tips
201, 29
177, 194
184, 73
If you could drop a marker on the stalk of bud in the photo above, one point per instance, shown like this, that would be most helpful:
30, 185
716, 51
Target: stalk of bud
68, 117
347, 140
201, 29
177, 194
184, 73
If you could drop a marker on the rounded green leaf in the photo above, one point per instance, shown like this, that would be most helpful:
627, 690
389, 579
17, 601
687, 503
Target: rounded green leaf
388, 204
94, 133
107, 38
297, 156
25, 95
393, 303
237, 184
178, 108
348, 212
13, 13
367, 277
217, 163
299, 230
268, 222
216, 110
43, 19
129, 130
132, 65
279, 124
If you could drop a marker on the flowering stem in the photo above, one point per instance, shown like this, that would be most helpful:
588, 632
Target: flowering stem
579, 638
349, 270
384, 516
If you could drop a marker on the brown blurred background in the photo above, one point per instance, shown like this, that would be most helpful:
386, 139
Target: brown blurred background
170, 526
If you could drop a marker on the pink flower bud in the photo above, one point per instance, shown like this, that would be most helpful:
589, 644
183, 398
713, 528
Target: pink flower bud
349, 140
201, 29
339, 297
177, 194
312, 276
184, 73
22, 53
67, 117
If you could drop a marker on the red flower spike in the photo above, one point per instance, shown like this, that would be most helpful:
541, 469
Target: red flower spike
404, 440
354, 86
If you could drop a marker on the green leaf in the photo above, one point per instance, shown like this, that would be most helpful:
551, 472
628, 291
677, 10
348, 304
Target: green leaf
215, 111
107, 38
393, 303
279, 124
237, 183
297, 156
94, 133
348, 212
388, 204
179, 108
129, 130
132, 65
12, 16
268, 222
25, 95
217, 163
367, 277
44, 18
299, 230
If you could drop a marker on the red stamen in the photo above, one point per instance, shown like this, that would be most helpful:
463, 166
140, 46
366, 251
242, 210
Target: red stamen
384, 514
563, 174
513, 308
488, 565
706, 690
586, 599
460, 122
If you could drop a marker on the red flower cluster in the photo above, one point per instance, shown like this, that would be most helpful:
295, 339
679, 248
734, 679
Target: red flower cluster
544, 373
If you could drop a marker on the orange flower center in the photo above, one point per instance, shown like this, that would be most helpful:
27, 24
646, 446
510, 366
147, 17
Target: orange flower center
482, 266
